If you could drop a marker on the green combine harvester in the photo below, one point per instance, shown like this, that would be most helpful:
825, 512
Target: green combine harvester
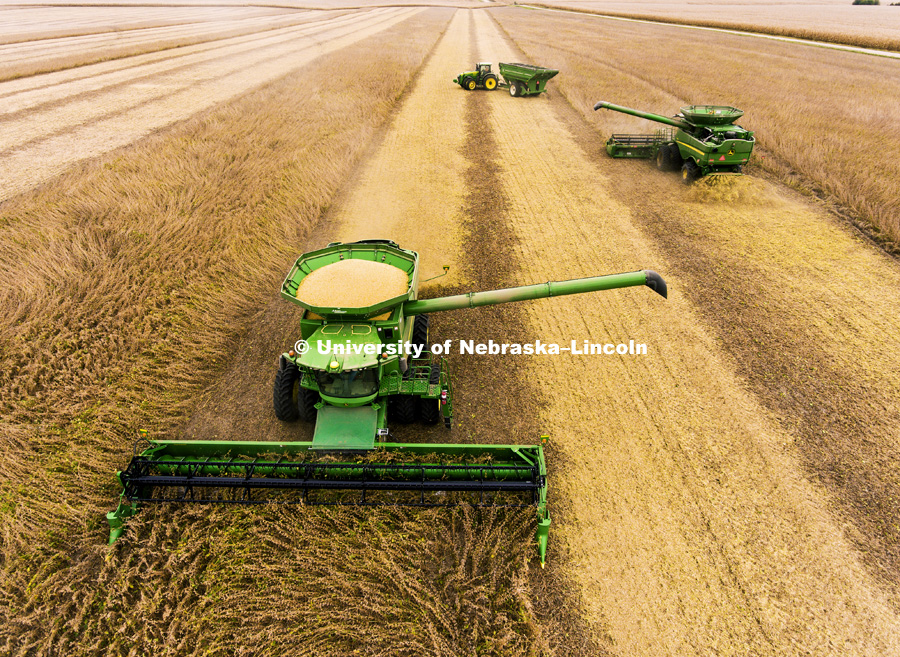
520, 79
355, 370
703, 141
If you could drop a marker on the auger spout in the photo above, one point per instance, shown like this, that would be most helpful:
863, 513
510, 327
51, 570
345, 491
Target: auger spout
539, 291
644, 115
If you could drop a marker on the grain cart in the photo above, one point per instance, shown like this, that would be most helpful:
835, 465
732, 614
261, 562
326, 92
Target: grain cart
362, 362
703, 141
520, 79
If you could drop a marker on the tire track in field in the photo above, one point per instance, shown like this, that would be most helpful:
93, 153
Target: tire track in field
685, 517
115, 119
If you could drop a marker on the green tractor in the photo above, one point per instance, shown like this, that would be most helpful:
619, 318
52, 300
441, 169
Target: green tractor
703, 141
480, 78
355, 370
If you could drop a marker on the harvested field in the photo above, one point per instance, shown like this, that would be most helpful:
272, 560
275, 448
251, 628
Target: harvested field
56, 120
42, 47
834, 21
728, 493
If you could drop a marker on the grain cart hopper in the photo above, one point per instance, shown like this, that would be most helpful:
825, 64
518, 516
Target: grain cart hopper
520, 79
703, 141
362, 362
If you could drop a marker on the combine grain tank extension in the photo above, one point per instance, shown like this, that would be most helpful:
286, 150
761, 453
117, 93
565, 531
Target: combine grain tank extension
702, 141
362, 362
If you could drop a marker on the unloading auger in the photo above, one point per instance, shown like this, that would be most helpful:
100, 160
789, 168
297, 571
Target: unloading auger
383, 373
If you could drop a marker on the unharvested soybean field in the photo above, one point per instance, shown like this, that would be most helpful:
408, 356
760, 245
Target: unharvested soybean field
729, 493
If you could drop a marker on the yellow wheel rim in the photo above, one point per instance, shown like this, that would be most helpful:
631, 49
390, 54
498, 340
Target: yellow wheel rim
471, 85
490, 83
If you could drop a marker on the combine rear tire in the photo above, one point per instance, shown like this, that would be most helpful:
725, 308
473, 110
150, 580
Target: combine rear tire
283, 391
490, 82
430, 409
403, 409
306, 404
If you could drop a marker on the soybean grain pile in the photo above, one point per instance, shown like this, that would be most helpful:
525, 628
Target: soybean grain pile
352, 283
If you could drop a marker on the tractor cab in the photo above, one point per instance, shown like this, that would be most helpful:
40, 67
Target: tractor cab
483, 68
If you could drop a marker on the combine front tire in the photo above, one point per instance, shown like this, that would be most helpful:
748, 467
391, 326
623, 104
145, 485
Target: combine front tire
490, 82
689, 172
283, 391
420, 331
663, 158
306, 404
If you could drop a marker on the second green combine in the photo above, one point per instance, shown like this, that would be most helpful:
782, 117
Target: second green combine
702, 140
361, 363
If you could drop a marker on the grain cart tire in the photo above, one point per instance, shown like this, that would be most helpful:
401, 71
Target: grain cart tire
471, 84
490, 82
689, 172
513, 88
283, 391
306, 404
420, 331
430, 409
403, 409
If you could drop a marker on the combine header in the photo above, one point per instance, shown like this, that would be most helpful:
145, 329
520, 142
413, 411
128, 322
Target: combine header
703, 141
362, 362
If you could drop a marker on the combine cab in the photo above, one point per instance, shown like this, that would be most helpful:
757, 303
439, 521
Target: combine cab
361, 363
703, 141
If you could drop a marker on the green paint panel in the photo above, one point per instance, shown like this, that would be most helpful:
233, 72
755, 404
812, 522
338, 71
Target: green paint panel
345, 428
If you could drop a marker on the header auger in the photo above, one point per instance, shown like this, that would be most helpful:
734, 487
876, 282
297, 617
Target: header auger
702, 141
362, 363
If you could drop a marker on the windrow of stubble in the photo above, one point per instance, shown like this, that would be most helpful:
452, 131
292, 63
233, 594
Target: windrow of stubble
123, 283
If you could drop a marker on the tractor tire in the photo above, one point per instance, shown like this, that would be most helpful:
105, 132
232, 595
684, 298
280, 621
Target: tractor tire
490, 82
306, 404
689, 172
430, 409
403, 409
283, 391
420, 331
471, 84
513, 89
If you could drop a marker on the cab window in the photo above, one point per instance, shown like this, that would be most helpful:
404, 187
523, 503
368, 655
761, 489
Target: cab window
359, 383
